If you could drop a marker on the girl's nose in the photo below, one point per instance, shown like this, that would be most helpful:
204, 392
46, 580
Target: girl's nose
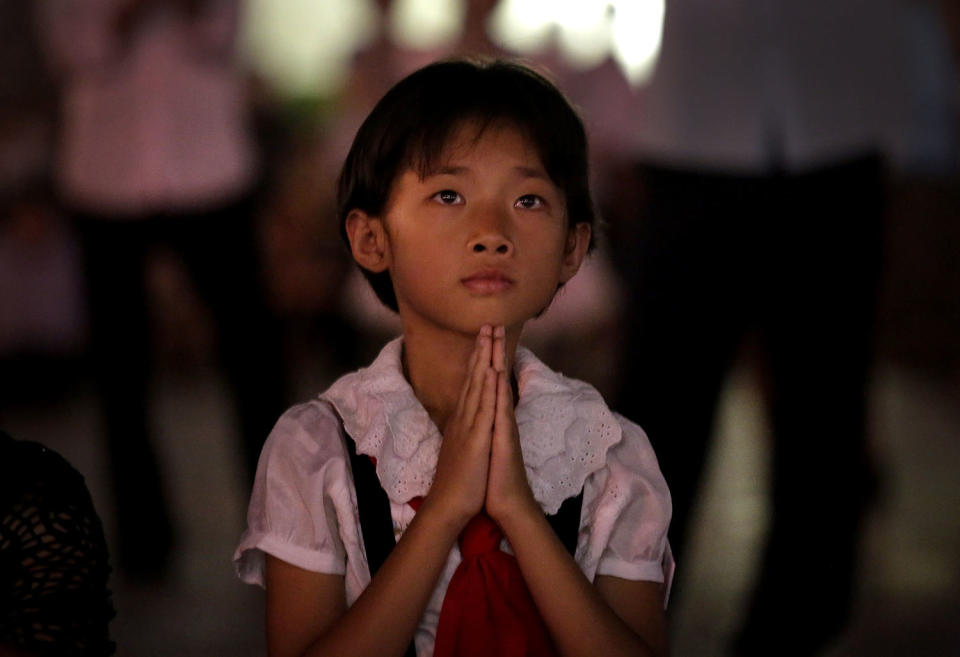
490, 233
491, 242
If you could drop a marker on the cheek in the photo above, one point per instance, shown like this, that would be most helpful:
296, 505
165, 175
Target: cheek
417, 267
547, 247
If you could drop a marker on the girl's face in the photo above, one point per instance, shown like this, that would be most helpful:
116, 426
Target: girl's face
483, 238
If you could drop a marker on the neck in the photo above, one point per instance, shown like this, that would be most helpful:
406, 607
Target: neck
435, 364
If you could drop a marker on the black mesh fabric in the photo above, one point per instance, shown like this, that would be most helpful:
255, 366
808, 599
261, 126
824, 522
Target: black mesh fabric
54, 566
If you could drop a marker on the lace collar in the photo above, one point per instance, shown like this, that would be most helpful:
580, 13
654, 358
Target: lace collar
565, 427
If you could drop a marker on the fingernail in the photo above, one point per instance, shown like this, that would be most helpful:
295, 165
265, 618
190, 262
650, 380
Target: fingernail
499, 332
485, 330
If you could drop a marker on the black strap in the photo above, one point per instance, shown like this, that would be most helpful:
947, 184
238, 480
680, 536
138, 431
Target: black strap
376, 521
566, 522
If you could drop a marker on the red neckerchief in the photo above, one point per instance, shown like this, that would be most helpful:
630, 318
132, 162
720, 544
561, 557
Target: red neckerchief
488, 609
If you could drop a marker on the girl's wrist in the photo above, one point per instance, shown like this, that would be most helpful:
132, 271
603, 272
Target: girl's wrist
520, 523
517, 509
450, 519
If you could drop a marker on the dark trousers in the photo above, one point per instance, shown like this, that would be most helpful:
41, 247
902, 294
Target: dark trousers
220, 250
794, 259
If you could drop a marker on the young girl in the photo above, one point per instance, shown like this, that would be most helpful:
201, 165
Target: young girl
404, 510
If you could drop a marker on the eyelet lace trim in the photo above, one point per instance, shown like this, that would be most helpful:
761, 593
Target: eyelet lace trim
565, 427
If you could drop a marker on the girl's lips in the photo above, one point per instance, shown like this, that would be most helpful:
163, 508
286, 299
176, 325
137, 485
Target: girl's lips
487, 283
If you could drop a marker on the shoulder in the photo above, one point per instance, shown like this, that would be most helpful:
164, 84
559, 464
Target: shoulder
630, 486
634, 449
306, 449
633, 476
627, 510
310, 430
301, 498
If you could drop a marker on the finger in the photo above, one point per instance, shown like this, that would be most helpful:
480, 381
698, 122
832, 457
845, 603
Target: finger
471, 367
503, 422
477, 375
499, 349
486, 413
471, 378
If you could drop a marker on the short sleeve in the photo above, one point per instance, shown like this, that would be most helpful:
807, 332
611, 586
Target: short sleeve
301, 496
627, 513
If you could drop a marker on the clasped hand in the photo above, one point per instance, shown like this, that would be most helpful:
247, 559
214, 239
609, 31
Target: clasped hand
480, 466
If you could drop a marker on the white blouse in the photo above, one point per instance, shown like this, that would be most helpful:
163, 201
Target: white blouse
303, 507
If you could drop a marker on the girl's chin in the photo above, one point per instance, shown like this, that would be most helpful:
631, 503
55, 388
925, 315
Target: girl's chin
510, 323
509, 317
468, 321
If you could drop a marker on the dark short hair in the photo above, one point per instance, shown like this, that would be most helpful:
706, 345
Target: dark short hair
411, 124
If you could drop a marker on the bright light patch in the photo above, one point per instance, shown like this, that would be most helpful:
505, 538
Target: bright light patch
637, 33
586, 31
426, 24
523, 26
303, 47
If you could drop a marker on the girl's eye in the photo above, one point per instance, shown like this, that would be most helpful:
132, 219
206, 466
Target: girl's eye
448, 197
530, 202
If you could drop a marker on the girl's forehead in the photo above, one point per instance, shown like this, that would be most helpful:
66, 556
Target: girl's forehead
465, 138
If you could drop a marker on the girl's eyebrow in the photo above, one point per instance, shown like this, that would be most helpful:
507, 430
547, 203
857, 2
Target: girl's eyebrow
521, 171
448, 171
532, 172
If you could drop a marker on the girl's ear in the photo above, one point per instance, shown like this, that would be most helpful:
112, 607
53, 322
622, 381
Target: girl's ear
578, 241
368, 241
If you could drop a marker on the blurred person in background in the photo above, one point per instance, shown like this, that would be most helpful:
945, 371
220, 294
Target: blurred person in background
155, 149
762, 144
27, 100
41, 323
